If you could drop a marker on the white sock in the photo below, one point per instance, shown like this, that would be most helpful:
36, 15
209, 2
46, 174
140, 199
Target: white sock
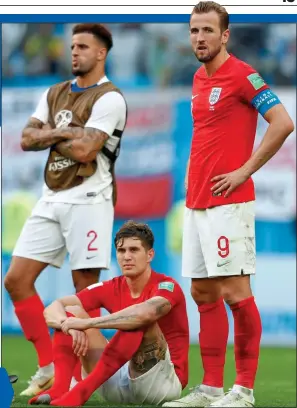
243, 390
208, 389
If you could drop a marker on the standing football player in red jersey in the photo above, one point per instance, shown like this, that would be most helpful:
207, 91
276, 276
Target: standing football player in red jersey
219, 234
146, 361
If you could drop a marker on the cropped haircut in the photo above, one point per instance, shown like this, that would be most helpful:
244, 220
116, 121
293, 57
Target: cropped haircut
204, 7
98, 30
132, 229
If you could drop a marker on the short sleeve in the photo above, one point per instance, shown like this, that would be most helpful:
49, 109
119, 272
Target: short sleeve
252, 84
97, 295
42, 110
256, 92
108, 113
169, 290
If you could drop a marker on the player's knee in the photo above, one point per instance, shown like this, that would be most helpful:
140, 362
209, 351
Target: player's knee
236, 288
21, 276
202, 292
8, 283
198, 293
14, 282
231, 297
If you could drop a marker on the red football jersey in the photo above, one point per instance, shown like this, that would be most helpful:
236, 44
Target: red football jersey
224, 129
114, 295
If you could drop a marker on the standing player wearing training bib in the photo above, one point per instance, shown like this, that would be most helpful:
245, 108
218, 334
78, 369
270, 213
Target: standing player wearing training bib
85, 120
219, 234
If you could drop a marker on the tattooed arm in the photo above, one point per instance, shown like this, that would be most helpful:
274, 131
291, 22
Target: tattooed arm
84, 144
36, 136
130, 318
80, 144
108, 112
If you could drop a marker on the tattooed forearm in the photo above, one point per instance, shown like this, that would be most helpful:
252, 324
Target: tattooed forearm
35, 138
161, 305
117, 321
65, 148
84, 144
34, 123
133, 317
130, 318
81, 144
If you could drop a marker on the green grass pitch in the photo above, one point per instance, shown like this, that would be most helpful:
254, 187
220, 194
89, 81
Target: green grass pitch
275, 385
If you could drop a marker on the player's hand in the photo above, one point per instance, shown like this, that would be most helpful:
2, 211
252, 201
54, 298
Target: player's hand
46, 126
79, 342
74, 323
228, 182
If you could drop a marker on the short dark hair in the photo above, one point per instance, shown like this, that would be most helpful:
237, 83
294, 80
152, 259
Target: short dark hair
132, 229
207, 6
98, 30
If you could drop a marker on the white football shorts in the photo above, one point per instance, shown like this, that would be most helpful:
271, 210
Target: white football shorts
82, 230
219, 241
158, 385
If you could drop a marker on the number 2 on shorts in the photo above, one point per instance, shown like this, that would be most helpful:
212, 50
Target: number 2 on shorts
93, 235
223, 246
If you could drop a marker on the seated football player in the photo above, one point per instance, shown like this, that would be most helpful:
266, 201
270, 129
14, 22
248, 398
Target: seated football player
146, 361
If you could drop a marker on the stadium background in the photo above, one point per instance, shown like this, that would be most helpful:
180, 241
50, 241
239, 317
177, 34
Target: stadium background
154, 65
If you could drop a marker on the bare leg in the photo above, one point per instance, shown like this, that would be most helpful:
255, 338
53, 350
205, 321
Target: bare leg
21, 276
82, 278
236, 288
151, 351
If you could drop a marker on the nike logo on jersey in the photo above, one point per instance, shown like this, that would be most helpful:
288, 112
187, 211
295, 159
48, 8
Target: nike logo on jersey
91, 257
194, 96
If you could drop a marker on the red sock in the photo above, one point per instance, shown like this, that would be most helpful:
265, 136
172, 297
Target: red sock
117, 352
65, 361
247, 337
30, 314
213, 339
77, 370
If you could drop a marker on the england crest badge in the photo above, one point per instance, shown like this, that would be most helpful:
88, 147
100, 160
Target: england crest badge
214, 95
